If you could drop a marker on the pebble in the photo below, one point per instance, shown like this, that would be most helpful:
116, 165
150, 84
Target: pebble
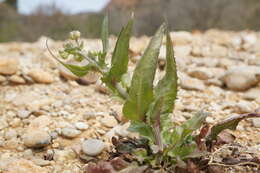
191, 84
41, 162
41, 76
244, 107
239, 79
93, 147
8, 66
2, 79
3, 123
81, 125
36, 139
252, 94
200, 73
17, 79
13, 165
210, 120
69, 132
23, 114
10, 134
109, 121
256, 122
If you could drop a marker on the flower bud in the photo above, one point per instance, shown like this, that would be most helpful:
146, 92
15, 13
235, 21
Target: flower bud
74, 35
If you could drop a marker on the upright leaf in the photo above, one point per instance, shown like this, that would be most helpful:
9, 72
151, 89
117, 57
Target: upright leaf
119, 61
166, 89
104, 34
141, 90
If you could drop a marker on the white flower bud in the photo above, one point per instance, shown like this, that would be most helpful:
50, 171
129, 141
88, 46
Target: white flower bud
74, 35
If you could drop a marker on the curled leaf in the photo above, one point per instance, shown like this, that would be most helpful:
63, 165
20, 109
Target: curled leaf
230, 123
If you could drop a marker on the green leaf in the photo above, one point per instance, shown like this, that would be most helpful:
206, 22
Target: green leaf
79, 71
143, 129
104, 35
119, 61
230, 123
167, 87
181, 134
141, 90
194, 123
183, 151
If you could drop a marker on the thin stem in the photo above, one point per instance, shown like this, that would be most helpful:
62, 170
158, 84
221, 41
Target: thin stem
92, 61
121, 91
158, 137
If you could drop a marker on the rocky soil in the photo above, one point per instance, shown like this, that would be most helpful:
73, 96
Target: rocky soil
52, 121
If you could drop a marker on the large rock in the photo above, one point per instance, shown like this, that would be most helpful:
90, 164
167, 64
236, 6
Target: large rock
8, 66
12, 165
240, 78
41, 76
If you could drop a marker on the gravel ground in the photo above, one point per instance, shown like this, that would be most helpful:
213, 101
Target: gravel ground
51, 121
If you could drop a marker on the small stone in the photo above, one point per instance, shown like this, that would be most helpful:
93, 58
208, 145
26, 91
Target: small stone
69, 132
210, 120
13, 165
81, 126
243, 107
201, 73
41, 162
239, 79
191, 83
64, 155
10, 134
2, 79
109, 121
8, 66
89, 78
256, 122
23, 114
36, 139
255, 61
93, 147
41, 76
252, 94
65, 73
3, 123
17, 79
215, 82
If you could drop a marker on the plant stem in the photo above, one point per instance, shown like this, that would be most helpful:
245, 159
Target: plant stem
158, 137
91, 61
121, 91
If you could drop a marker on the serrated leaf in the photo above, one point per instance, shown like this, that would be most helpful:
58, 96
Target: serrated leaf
104, 34
143, 129
230, 123
141, 90
167, 87
119, 61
